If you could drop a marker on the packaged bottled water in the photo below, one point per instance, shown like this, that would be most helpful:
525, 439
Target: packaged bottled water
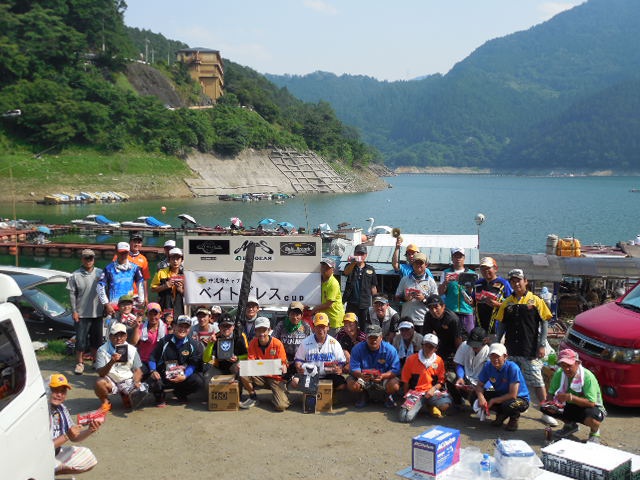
485, 466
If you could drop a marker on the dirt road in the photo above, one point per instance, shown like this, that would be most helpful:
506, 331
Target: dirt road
190, 442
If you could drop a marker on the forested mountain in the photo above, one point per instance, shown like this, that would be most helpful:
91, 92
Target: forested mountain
521, 102
63, 64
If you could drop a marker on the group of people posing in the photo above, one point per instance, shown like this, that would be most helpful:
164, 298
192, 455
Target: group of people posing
462, 339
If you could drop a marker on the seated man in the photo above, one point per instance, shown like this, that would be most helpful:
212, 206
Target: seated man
576, 397
349, 336
204, 331
510, 396
119, 368
150, 333
175, 363
407, 341
470, 357
374, 367
423, 379
323, 351
69, 459
291, 332
265, 347
227, 350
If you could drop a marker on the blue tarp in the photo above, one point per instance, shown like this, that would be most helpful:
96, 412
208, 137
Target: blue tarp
154, 222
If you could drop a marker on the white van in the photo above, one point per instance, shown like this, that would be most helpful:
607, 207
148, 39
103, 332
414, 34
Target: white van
26, 449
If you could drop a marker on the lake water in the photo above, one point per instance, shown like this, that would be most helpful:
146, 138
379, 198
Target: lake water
520, 211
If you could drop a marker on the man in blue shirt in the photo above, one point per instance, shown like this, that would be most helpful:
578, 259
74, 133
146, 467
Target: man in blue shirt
375, 368
510, 396
118, 279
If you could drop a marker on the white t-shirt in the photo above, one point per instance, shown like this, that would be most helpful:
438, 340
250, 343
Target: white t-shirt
471, 361
310, 351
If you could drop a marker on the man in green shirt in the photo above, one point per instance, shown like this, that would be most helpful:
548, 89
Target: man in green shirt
575, 397
331, 297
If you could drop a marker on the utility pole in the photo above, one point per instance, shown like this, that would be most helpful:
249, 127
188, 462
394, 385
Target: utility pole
146, 50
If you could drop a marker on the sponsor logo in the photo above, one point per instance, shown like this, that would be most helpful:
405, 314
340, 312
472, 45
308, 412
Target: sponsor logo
209, 247
262, 245
298, 249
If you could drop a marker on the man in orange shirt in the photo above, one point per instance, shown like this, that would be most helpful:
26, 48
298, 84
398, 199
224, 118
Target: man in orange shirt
423, 377
265, 347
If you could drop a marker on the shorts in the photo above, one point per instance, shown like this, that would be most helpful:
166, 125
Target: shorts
336, 380
125, 387
531, 370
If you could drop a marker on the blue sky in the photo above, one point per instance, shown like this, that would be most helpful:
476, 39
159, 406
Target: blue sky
388, 40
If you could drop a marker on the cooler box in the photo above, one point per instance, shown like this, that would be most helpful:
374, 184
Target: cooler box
434, 451
582, 461
515, 459
224, 396
323, 401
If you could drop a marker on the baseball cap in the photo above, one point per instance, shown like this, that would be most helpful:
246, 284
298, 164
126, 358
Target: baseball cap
296, 306
226, 319
253, 299
360, 249
434, 299
488, 262
183, 319
123, 247
154, 306
87, 252
476, 337
421, 257
170, 243
58, 380
498, 349
412, 247
329, 262
128, 298
374, 331
136, 236
204, 310
118, 328
430, 338
216, 310
455, 250
517, 273
262, 322
350, 317
568, 356
175, 251
380, 300
404, 325
321, 319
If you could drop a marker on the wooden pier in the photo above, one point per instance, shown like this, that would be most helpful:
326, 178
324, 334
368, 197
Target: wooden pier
68, 250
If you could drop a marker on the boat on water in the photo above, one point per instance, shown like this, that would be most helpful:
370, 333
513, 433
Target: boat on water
145, 222
83, 197
94, 220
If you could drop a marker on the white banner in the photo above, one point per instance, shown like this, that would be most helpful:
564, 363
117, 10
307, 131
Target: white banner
270, 288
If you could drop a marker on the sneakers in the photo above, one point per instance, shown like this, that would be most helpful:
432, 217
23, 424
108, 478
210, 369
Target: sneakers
106, 406
248, 403
390, 402
594, 438
435, 412
500, 418
549, 420
568, 429
512, 426
126, 401
362, 401
79, 370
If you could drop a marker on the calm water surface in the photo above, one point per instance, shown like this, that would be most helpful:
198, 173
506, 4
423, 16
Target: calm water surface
520, 211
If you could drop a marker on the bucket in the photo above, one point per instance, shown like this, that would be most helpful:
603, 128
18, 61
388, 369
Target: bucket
552, 244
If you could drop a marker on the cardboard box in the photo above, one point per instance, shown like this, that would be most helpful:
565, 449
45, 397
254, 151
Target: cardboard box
260, 368
603, 451
321, 402
224, 394
436, 450
582, 461
547, 374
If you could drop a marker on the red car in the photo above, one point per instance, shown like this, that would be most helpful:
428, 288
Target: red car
607, 339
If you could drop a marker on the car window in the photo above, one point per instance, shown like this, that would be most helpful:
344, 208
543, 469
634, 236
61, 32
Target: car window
44, 302
633, 297
12, 368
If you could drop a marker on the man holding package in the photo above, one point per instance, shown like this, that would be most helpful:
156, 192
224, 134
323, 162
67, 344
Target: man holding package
576, 397
266, 347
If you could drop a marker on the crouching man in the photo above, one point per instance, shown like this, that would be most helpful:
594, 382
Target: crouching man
510, 396
119, 368
576, 397
265, 347
69, 458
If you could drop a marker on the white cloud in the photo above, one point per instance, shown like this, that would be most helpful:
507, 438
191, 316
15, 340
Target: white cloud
320, 6
551, 9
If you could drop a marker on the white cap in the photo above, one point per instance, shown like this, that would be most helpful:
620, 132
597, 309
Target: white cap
253, 299
175, 251
430, 338
405, 324
123, 247
455, 250
170, 243
262, 322
118, 328
498, 349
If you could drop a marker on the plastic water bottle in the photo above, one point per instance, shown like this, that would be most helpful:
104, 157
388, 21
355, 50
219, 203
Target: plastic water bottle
485, 466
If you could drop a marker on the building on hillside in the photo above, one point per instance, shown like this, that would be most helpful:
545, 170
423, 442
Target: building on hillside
205, 67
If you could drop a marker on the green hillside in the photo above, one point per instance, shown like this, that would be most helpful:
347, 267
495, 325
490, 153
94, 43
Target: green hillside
63, 67
503, 92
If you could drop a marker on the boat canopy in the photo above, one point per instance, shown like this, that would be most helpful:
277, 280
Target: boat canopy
154, 222
102, 220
